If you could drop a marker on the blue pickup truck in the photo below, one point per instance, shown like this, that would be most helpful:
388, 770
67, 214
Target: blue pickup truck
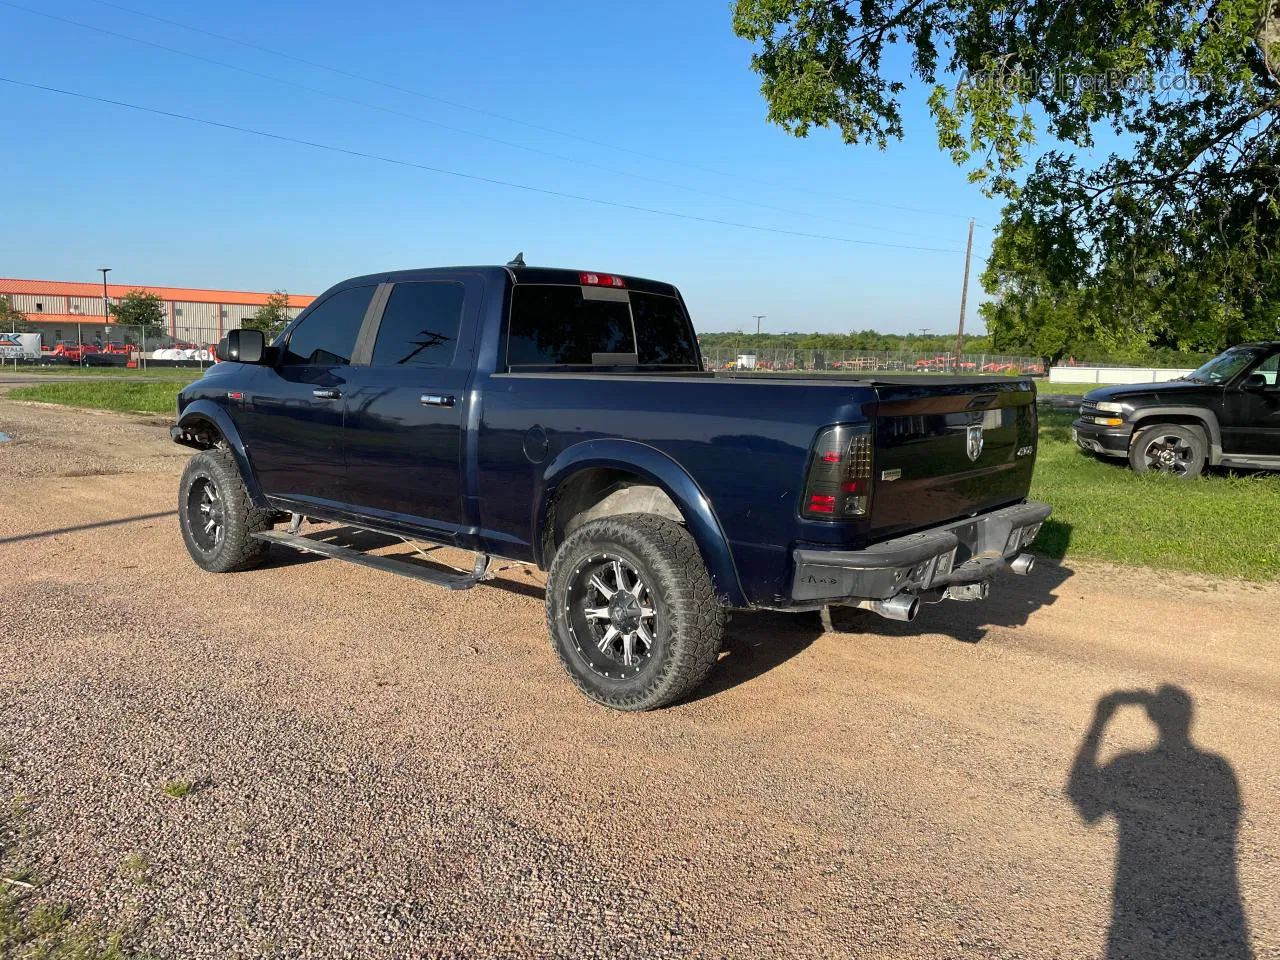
563, 418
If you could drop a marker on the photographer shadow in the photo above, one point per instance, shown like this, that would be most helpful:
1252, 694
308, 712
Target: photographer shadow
1176, 893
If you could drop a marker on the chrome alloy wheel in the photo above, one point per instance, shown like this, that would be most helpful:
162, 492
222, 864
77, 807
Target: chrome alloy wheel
1168, 453
612, 616
206, 515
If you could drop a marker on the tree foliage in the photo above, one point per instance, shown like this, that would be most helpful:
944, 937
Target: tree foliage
272, 317
140, 309
13, 320
1170, 238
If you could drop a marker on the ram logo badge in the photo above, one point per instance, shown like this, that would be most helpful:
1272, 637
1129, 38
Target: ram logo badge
973, 446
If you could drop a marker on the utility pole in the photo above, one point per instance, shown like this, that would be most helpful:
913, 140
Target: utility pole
964, 295
757, 317
106, 302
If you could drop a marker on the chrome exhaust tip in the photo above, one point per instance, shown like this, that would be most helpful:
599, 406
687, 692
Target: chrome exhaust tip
1022, 564
903, 607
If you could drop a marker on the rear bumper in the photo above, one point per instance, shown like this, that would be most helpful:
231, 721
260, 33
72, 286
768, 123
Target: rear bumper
1106, 441
964, 551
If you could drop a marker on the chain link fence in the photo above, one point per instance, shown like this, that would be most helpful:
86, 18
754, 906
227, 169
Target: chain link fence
866, 361
111, 345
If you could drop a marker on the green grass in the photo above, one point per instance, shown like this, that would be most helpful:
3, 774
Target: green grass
177, 789
122, 396
34, 928
1044, 388
186, 374
1218, 524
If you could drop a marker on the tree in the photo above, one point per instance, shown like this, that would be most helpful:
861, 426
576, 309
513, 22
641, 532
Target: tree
143, 312
272, 317
1173, 237
13, 320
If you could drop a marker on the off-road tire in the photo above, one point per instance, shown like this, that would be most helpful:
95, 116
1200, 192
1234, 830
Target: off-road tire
237, 549
1186, 436
690, 620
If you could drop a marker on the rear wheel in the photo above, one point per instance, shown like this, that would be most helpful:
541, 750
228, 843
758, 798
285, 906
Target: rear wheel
632, 612
217, 515
1173, 448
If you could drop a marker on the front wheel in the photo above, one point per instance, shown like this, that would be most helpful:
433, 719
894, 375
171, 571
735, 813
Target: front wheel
632, 612
1172, 448
217, 515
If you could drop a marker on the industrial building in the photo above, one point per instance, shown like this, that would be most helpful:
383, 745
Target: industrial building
75, 312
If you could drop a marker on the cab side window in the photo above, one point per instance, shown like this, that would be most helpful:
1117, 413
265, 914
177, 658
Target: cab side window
420, 325
326, 336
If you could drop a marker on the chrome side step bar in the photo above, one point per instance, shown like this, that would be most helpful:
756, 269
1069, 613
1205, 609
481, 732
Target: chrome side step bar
334, 551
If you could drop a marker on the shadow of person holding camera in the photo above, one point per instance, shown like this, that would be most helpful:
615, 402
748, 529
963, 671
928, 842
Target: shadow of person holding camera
1176, 892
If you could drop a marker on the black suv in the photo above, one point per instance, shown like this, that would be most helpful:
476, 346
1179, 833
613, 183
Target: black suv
1227, 413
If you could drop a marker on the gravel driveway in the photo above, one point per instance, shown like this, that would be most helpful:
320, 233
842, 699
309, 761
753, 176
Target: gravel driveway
320, 760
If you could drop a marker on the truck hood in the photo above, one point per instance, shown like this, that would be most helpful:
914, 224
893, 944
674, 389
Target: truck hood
1174, 390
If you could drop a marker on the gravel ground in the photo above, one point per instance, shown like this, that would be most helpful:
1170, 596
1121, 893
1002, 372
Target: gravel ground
380, 769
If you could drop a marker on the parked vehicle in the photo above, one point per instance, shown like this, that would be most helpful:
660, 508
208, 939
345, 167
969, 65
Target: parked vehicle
563, 418
1226, 413
71, 352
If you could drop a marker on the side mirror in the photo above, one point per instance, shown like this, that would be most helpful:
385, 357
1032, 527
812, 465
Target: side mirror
243, 346
1254, 383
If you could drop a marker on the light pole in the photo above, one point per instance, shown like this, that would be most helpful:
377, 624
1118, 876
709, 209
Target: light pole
757, 317
106, 301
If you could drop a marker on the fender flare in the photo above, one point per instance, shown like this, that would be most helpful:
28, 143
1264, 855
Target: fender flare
1207, 417
208, 411
666, 474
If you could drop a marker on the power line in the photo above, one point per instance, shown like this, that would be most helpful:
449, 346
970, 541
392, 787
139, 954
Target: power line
445, 126
465, 176
516, 120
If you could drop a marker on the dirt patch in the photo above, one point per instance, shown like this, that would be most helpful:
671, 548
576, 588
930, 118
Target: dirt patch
387, 770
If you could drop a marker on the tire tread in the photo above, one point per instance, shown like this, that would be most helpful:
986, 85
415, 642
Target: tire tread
698, 617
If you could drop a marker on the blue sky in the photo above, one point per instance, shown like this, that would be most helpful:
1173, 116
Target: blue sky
169, 202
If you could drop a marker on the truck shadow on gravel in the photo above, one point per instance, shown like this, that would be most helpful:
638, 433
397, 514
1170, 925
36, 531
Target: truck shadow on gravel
757, 642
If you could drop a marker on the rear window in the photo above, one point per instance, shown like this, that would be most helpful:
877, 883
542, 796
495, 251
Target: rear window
556, 325
665, 336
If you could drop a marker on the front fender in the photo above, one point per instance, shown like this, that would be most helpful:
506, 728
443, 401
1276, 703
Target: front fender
663, 472
1206, 416
206, 411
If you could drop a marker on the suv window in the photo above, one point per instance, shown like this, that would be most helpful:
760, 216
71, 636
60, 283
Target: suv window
555, 325
1269, 369
420, 324
327, 335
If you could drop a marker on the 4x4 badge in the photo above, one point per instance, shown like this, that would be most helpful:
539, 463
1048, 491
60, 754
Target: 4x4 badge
973, 446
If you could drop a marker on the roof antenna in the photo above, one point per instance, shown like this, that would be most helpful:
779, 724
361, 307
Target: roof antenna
517, 261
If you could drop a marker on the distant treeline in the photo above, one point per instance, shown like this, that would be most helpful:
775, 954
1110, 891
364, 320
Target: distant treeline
875, 342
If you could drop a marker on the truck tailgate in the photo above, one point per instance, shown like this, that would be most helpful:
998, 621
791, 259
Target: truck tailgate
949, 450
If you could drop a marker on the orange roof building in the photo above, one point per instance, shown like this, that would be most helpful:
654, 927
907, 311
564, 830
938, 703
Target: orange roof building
68, 310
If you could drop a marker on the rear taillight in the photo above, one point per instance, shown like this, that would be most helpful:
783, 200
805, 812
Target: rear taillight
838, 484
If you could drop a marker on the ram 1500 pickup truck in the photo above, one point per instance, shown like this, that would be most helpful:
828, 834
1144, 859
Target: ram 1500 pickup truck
564, 418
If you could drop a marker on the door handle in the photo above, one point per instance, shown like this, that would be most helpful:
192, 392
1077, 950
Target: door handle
435, 400
326, 393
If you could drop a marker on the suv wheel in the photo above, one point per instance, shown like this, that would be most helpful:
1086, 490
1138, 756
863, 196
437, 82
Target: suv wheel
1172, 448
217, 516
632, 612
